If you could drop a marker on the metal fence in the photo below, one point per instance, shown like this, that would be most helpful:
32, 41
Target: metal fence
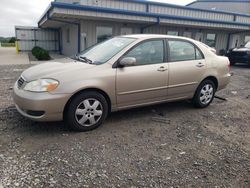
29, 37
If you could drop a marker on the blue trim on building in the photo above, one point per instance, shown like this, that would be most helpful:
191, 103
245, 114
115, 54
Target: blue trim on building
147, 7
144, 14
59, 40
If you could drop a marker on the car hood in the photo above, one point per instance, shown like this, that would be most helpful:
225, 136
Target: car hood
52, 69
241, 49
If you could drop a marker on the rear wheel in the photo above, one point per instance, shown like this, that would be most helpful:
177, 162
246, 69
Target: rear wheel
204, 94
86, 111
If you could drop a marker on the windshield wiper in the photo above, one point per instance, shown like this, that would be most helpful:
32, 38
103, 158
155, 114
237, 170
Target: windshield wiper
85, 59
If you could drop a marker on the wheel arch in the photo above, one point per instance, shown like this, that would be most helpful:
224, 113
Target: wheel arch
213, 79
105, 95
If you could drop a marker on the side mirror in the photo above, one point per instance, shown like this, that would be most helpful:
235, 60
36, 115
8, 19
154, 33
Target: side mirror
127, 61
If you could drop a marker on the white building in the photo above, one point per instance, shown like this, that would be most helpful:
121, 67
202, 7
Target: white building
82, 23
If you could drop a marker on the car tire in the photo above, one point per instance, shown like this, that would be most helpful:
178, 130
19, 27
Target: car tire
204, 94
86, 111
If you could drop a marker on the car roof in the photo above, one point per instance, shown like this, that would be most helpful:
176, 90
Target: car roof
150, 36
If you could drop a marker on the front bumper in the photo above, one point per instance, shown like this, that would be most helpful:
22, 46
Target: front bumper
40, 106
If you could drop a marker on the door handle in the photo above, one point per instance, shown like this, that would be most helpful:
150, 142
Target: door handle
162, 69
200, 64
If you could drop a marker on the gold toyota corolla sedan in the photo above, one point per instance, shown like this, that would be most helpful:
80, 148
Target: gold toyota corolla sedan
120, 73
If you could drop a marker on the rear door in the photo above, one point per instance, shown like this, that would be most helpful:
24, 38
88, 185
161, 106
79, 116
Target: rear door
186, 68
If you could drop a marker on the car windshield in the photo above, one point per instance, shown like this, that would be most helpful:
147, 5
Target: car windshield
102, 52
247, 45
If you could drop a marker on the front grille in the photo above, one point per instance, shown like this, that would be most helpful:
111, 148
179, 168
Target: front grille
20, 82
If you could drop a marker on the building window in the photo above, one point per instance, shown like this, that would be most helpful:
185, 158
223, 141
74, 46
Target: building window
126, 31
187, 34
199, 37
211, 40
247, 39
174, 33
68, 35
103, 33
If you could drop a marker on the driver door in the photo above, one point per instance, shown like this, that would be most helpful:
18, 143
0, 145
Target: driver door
146, 82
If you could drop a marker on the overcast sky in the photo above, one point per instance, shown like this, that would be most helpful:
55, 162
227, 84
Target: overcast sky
28, 12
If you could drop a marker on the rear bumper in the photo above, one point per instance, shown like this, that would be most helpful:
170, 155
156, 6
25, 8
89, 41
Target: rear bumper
40, 106
224, 81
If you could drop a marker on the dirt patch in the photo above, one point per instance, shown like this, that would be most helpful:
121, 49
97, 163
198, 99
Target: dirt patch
168, 145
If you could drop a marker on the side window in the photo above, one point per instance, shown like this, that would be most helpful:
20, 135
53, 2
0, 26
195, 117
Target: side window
181, 51
149, 52
199, 55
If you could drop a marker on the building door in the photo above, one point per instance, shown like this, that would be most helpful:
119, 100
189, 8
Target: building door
199, 37
126, 31
83, 41
146, 82
235, 41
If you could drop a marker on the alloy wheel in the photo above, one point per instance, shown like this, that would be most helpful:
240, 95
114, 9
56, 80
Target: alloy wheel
206, 94
89, 112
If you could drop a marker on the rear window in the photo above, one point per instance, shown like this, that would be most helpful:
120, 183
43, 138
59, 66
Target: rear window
183, 51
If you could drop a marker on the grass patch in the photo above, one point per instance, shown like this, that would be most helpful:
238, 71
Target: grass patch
8, 44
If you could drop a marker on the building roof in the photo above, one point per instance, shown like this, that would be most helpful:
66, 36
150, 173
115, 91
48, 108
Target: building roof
219, 1
186, 13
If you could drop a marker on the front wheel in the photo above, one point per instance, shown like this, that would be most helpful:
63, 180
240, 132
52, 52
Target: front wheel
86, 111
204, 94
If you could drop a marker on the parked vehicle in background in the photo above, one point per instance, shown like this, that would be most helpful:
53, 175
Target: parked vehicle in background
120, 73
239, 55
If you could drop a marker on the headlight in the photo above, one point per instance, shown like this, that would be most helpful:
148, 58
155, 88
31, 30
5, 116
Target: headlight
41, 85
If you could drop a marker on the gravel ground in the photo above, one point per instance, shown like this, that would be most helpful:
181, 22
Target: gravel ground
189, 148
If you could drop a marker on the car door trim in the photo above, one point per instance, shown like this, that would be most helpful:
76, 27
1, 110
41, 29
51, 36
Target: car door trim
157, 88
143, 90
181, 85
150, 103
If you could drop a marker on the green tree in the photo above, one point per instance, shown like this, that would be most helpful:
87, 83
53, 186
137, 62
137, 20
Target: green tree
12, 40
